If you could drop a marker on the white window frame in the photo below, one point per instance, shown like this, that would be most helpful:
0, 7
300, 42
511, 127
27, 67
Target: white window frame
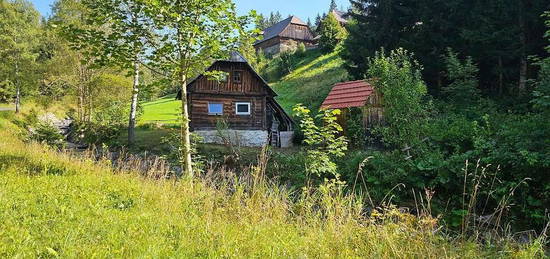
213, 113
243, 103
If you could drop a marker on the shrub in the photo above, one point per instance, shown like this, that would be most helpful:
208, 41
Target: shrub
324, 143
331, 33
47, 133
397, 76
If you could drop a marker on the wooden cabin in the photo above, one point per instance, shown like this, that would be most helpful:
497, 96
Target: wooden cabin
241, 99
285, 36
342, 17
357, 94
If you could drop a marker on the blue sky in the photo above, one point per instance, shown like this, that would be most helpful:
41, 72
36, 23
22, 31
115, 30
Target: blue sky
300, 8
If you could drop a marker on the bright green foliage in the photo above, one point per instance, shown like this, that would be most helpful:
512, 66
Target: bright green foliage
48, 134
117, 32
325, 144
462, 91
19, 31
397, 77
7, 91
331, 33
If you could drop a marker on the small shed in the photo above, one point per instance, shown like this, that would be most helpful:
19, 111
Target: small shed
357, 94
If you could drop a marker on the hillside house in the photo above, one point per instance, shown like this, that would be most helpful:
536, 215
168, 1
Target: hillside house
342, 17
356, 94
244, 101
284, 36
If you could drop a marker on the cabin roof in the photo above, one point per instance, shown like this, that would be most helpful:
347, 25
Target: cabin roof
234, 57
340, 16
279, 29
348, 94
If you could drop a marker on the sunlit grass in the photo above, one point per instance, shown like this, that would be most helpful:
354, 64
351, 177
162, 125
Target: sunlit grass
165, 110
311, 81
56, 205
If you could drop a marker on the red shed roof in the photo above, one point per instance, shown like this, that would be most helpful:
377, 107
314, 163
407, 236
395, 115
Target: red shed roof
348, 94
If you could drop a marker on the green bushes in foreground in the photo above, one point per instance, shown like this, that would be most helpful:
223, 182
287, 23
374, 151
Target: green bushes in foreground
56, 205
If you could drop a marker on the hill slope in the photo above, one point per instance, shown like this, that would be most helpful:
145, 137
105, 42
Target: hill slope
311, 81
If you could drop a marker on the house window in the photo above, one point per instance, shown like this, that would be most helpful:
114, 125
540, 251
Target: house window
237, 76
215, 108
242, 108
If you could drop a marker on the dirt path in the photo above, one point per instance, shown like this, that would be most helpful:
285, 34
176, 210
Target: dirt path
5, 109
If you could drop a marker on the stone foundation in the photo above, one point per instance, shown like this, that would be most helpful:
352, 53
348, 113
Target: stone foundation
244, 138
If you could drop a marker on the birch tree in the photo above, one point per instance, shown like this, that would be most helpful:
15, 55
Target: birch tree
117, 34
19, 30
191, 33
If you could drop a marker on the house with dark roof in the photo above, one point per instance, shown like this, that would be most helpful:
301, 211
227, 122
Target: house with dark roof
359, 95
342, 17
285, 35
243, 101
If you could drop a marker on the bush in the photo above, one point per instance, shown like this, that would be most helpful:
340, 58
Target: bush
96, 133
47, 133
397, 77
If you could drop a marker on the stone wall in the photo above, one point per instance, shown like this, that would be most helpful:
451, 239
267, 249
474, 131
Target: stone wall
244, 138
272, 50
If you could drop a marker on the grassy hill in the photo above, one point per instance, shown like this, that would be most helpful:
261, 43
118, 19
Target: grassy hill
311, 80
59, 205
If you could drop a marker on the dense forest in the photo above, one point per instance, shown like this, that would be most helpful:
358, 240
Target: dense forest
465, 85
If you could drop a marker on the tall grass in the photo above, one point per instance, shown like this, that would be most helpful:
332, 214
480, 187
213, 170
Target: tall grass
58, 205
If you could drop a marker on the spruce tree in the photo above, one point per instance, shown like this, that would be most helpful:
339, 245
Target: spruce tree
333, 6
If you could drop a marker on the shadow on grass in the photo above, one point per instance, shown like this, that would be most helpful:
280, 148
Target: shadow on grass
31, 166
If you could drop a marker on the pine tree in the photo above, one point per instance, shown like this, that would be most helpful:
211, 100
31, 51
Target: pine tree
462, 92
317, 21
333, 6
498, 35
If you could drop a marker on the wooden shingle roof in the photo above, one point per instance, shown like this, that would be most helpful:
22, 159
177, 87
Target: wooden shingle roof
348, 94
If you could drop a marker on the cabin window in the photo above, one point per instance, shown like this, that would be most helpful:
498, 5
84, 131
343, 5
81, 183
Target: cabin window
242, 108
237, 76
215, 108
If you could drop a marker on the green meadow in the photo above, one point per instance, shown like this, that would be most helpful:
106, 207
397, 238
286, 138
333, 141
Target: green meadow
57, 204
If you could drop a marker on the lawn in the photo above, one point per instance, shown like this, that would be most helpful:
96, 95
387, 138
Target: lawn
164, 110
